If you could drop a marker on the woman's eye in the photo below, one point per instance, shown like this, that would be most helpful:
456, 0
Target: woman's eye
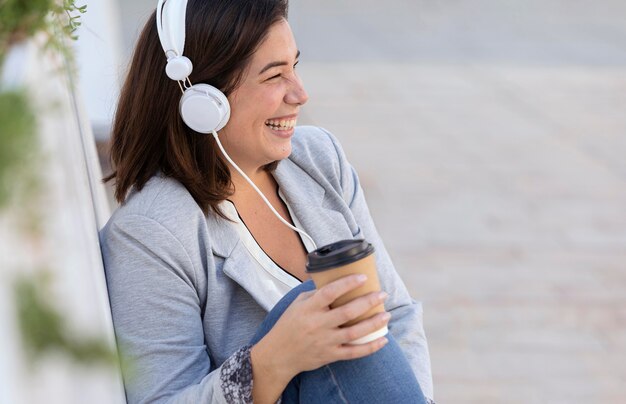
279, 74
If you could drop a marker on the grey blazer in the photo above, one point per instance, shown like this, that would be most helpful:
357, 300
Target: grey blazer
182, 296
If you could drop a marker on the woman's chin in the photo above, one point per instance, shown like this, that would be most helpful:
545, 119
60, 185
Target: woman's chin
280, 146
283, 152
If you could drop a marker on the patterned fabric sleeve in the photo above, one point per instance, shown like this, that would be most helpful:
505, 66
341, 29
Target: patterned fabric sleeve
236, 377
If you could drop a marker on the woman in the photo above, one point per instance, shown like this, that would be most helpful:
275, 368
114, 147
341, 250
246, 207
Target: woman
208, 289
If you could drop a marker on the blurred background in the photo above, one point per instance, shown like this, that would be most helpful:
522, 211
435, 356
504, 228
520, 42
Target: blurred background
490, 138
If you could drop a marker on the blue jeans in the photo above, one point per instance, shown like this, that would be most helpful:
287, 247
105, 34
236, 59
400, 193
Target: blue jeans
383, 377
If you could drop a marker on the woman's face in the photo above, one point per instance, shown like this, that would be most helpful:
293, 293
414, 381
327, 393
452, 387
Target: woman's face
265, 106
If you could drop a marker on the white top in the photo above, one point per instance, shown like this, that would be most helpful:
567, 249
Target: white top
275, 280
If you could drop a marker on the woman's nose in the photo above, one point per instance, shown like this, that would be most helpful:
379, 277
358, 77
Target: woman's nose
296, 94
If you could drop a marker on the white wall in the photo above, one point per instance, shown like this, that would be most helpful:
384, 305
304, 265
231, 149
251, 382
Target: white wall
69, 209
106, 38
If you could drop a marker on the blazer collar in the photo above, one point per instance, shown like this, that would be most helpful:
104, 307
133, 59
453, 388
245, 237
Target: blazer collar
242, 268
298, 187
305, 197
224, 237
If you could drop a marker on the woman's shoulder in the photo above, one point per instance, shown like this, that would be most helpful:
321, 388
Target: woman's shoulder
158, 197
315, 148
318, 153
314, 139
162, 200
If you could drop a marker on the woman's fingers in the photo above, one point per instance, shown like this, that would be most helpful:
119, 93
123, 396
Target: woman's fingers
355, 308
347, 352
362, 328
309, 332
329, 293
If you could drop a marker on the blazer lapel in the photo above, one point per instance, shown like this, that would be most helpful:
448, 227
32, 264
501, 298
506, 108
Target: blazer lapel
242, 268
305, 196
239, 265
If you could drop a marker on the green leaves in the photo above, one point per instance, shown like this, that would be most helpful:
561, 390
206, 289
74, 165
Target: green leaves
72, 21
44, 329
17, 139
22, 19
43, 326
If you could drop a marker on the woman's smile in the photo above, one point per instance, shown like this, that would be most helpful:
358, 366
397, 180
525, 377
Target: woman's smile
282, 126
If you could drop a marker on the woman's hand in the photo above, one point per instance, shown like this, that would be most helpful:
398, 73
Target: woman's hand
307, 335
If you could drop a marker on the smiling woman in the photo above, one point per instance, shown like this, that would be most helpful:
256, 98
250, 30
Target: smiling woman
210, 298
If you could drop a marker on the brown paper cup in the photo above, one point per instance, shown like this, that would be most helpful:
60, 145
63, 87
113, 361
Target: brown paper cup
343, 258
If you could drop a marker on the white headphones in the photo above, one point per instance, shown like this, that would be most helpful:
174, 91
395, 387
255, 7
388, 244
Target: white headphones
203, 107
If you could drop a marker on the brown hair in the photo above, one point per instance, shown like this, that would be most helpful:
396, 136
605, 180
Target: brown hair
148, 133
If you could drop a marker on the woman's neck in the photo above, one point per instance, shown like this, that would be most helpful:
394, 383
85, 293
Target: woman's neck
261, 178
254, 172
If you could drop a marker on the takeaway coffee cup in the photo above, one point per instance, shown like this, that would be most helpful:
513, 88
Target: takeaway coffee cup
342, 258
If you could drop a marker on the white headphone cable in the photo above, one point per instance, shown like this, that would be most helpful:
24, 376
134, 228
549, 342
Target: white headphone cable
261, 193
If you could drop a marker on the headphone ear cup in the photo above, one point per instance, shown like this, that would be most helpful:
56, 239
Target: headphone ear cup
204, 108
178, 68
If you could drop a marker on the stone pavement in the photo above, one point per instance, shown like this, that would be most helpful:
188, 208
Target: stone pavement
490, 139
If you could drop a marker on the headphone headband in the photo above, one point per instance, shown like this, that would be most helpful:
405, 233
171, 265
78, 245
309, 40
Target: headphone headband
170, 20
170, 16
